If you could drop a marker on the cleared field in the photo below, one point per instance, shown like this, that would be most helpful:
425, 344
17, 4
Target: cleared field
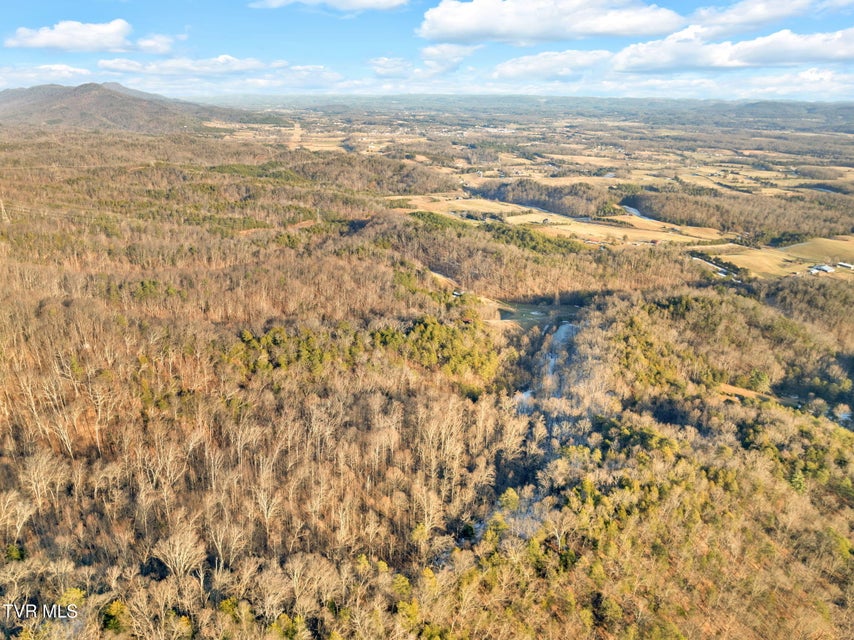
838, 249
321, 142
724, 250
771, 175
728, 390
630, 229
443, 203
293, 136
261, 132
641, 231
768, 262
602, 161
296, 136
608, 233
703, 233
513, 160
604, 181
373, 143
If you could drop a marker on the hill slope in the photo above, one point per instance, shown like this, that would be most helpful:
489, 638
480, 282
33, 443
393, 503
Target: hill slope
104, 106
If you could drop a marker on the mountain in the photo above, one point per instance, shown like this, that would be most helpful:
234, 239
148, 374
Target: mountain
107, 106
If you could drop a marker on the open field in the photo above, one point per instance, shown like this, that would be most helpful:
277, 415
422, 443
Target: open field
295, 136
831, 250
456, 204
585, 159
614, 234
703, 233
601, 231
624, 229
765, 262
770, 262
321, 142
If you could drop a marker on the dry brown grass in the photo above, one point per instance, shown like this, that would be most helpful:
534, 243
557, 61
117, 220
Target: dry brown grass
767, 262
832, 250
596, 232
640, 230
448, 203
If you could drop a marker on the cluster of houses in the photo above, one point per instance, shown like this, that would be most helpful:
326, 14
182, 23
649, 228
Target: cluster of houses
826, 268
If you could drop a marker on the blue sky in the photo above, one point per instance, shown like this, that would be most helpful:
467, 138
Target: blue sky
791, 49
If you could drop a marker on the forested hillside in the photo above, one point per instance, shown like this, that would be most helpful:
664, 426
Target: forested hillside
243, 397
776, 221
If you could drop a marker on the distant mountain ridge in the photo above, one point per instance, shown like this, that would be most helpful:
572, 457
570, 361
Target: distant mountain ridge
114, 107
755, 114
108, 106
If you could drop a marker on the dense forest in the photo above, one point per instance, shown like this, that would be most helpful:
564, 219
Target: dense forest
241, 397
776, 221
577, 200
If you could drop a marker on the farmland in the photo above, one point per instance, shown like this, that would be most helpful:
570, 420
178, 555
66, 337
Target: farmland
763, 174
796, 259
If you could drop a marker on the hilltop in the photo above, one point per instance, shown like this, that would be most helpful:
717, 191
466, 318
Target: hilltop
108, 106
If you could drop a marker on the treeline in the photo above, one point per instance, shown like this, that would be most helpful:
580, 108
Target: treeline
526, 264
577, 200
733, 339
758, 220
372, 173
824, 303
163, 180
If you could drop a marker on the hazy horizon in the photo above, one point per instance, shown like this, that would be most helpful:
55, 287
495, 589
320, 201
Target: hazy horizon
262, 100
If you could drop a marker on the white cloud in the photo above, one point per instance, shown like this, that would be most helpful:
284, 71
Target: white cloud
682, 50
307, 76
442, 58
61, 71
748, 14
155, 44
438, 60
809, 84
805, 84
520, 21
391, 67
70, 35
680, 86
343, 5
224, 64
820, 84
277, 78
785, 47
687, 49
550, 64
41, 74
223, 73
